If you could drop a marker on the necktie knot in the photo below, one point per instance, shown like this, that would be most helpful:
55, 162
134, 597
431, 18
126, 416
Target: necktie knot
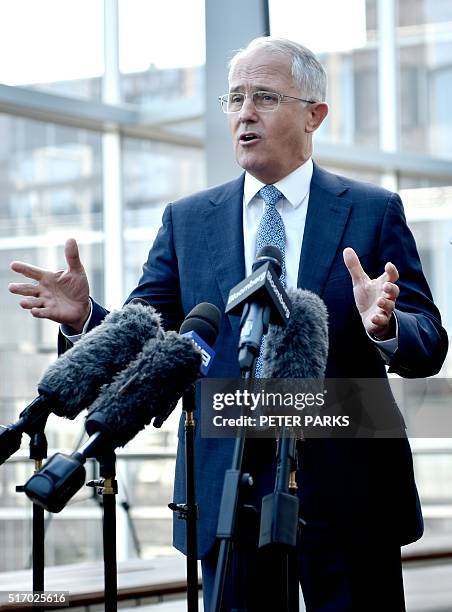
270, 194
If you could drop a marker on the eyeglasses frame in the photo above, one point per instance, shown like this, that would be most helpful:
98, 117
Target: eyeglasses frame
270, 110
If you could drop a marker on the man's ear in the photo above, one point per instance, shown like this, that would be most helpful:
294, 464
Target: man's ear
317, 113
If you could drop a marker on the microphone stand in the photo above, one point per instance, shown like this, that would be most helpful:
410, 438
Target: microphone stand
125, 503
235, 485
280, 523
107, 486
189, 510
38, 452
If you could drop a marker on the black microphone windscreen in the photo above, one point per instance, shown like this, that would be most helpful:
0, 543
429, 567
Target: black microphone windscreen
204, 319
299, 350
74, 380
270, 254
150, 386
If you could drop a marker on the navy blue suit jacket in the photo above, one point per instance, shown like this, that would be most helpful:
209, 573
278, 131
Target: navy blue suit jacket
366, 487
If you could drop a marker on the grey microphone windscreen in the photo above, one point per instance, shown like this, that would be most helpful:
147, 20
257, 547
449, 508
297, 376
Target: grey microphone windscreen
151, 386
74, 380
299, 350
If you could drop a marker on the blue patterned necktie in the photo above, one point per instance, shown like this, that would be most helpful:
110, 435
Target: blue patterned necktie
271, 227
270, 232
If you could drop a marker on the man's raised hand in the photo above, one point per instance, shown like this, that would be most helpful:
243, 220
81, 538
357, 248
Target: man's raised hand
374, 298
61, 296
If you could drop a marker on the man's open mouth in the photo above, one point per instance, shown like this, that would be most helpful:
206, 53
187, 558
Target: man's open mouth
248, 137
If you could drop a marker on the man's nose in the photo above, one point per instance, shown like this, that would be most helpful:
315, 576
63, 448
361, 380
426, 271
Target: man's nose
248, 111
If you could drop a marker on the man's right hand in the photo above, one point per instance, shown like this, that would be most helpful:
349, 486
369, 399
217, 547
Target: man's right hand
61, 296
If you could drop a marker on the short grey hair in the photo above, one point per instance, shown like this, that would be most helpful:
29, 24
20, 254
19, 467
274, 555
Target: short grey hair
307, 72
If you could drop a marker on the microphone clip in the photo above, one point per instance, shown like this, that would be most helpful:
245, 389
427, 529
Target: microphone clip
184, 511
104, 486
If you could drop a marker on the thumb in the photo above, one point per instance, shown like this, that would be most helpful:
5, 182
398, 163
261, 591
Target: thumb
72, 256
352, 262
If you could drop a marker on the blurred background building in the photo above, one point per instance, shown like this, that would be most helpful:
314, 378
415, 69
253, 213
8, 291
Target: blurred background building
108, 111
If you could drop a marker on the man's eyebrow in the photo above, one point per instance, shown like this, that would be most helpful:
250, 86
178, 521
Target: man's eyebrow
241, 88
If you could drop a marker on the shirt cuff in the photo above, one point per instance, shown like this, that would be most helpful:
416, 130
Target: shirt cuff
66, 329
387, 348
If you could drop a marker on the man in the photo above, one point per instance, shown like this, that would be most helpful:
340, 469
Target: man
358, 499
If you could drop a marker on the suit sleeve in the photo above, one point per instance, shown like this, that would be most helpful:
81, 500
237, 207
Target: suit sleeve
422, 341
159, 284
98, 314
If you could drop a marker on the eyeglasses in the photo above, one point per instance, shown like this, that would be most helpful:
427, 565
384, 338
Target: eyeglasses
264, 101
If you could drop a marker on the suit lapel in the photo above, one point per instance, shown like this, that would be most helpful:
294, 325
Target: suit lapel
325, 223
223, 225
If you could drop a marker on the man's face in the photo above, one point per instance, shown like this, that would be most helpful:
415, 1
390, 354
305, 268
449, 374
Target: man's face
270, 145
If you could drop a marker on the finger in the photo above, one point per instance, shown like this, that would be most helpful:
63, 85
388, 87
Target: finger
391, 291
351, 260
27, 270
381, 320
31, 302
72, 256
390, 274
386, 305
41, 313
24, 289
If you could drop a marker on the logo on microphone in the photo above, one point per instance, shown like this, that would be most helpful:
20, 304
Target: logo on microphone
207, 353
278, 294
253, 281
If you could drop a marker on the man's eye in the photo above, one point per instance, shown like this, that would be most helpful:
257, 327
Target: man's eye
235, 98
266, 96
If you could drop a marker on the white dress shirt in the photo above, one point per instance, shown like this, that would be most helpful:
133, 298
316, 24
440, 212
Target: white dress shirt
292, 208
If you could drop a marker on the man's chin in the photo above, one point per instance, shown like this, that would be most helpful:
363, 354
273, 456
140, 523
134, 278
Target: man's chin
262, 172
251, 164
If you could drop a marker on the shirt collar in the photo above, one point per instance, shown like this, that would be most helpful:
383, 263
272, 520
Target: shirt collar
294, 186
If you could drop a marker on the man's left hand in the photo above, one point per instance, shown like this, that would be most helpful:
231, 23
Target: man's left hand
374, 298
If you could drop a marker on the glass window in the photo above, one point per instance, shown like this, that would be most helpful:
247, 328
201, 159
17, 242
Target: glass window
160, 56
154, 174
349, 57
425, 90
40, 45
440, 116
366, 98
50, 189
50, 179
420, 12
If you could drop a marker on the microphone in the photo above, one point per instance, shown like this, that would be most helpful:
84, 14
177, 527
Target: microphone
148, 388
151, 386
201, 326
73, 381
300, 349
260, 299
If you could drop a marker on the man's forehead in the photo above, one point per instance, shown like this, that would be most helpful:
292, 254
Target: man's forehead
260, 66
